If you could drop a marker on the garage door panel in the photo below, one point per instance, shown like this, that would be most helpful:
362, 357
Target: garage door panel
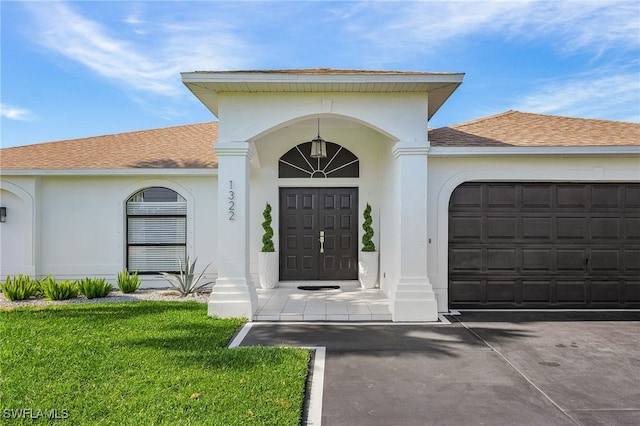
466, 228
632, 262
571, 196
466, 259
605, 229
632, 292
572, 228
570, 260
537, 260
501, 228
632, 196
632, 228
537, 196
554, 245
501, 260
536, 291
501, 196
501, 291
605, 292
537, 228
571, 292
605, 260
469, 196
605, 196
467, 291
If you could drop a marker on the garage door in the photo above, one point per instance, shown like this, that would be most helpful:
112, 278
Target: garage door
544, 245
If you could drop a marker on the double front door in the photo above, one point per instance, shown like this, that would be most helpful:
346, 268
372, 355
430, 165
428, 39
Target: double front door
318, 233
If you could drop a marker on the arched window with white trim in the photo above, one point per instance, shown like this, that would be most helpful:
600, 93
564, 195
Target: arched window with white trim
156, 230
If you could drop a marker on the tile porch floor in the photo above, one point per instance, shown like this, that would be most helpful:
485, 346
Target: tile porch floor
349, 303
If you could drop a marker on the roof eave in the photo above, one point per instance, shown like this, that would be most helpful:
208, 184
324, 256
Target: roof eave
477, 151
206, 85
110, 172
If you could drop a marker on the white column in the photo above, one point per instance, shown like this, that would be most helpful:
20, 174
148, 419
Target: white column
233, 294
413, 298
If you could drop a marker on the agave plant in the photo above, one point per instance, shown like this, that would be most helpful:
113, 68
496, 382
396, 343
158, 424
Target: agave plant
186, 282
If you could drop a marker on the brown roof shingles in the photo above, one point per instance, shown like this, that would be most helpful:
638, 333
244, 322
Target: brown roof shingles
514, 128
179, 147
191, 146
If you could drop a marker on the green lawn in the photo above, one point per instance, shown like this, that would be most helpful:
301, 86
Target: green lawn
143, 363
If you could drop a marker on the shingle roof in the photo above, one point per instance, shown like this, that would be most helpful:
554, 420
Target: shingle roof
179, 147
514, 128
191, 146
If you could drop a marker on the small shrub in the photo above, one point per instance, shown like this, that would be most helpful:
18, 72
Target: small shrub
92, 288
58, 290
185, 282
21, 287
128, 283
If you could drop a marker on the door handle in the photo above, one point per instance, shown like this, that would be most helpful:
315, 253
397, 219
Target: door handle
321, 241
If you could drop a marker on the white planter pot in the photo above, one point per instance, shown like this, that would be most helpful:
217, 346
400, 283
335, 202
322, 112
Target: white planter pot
268, 265
368, 269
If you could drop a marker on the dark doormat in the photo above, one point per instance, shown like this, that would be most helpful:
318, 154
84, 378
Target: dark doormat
318, 287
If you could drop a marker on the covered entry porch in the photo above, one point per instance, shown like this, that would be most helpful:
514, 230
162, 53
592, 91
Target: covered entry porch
347, 303
379, 117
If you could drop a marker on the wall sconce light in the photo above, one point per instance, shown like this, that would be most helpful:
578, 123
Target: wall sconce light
3, 214
318, 146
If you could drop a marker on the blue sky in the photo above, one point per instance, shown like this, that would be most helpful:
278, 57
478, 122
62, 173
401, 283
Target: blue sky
78, 69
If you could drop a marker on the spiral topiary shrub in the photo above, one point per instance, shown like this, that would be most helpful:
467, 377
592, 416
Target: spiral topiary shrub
267, 238
367, 239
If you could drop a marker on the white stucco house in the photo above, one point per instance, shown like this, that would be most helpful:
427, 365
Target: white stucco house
514, 210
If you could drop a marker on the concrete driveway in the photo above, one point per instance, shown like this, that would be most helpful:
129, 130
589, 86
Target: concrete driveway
486, 368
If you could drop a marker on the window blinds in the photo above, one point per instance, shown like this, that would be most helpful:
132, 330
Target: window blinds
156, 234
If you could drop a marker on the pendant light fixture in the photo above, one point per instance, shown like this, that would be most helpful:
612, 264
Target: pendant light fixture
318, 146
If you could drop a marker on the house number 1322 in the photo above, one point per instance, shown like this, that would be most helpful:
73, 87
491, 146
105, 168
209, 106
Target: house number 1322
231, 197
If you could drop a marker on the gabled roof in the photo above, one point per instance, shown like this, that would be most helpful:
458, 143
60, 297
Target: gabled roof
514, 128
179, 147
191, 146
206, 85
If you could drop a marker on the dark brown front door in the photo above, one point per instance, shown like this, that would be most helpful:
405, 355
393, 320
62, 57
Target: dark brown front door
307, 215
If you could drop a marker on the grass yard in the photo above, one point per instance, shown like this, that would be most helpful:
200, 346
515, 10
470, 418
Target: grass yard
144, 363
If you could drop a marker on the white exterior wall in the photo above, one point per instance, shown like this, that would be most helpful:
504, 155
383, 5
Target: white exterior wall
446, 173
18, 235
77, 224
248, 116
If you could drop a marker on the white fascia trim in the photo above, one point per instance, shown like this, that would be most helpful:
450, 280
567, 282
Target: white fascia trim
111, 172
249, 77
445, 151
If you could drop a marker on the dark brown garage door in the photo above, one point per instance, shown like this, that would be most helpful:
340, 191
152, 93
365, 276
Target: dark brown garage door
544, 245
306, 214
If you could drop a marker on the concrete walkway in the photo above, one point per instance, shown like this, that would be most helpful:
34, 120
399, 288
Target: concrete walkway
347, 303
493, 368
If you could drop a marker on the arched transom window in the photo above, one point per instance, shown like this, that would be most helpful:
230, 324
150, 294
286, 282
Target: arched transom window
339, 163
156, 230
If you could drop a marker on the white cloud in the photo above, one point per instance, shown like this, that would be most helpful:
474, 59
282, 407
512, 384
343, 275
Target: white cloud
15, 113
597, 94
593, 26
143, 66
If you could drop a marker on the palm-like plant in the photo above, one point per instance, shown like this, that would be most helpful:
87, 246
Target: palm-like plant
186, 282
